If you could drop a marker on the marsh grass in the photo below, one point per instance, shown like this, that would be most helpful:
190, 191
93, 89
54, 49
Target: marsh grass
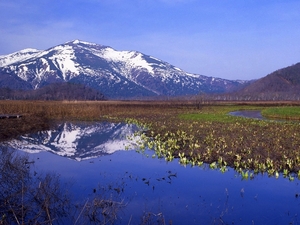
287, 113
218, 113
209, 117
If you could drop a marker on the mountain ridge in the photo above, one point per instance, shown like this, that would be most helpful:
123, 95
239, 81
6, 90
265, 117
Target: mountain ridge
116, 74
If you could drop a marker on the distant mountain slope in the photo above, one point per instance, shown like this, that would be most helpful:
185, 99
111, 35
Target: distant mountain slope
283, 83
10, 80
117, 74
280, 80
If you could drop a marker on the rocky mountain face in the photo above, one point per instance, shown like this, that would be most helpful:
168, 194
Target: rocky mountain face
79, 141
116, 74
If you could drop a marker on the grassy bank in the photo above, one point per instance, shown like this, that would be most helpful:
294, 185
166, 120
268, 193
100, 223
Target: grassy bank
287, 112
196, 135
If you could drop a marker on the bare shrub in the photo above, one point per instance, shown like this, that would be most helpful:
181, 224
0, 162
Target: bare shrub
25, 199
29, 199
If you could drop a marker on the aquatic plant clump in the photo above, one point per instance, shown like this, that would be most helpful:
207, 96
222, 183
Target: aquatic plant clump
246, 145
262, 147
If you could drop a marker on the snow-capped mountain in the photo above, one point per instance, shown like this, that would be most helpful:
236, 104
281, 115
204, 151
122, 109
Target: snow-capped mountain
114, 73
80, 141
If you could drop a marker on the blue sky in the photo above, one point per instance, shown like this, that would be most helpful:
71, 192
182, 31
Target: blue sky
230, 39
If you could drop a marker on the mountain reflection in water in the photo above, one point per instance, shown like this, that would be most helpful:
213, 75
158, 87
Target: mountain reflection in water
182, 195
79, 141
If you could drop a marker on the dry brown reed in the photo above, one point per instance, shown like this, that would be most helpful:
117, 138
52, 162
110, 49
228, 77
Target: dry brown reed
39, 115
86, 110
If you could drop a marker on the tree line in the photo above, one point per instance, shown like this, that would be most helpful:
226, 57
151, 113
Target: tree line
57, 91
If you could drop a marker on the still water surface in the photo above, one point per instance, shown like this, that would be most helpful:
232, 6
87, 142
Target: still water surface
184, 195
253, 114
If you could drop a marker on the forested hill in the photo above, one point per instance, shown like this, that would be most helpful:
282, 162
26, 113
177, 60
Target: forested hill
282, 84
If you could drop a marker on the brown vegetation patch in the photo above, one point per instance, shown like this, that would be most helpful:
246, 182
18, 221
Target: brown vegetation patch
11, 128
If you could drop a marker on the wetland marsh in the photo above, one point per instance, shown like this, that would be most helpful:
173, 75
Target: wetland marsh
191, 165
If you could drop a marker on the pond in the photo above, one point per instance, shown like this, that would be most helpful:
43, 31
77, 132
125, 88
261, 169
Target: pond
94, 159
253, 114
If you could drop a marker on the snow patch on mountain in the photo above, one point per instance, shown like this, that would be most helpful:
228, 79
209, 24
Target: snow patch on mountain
22, 55
130, 59
65, 60
80, 42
